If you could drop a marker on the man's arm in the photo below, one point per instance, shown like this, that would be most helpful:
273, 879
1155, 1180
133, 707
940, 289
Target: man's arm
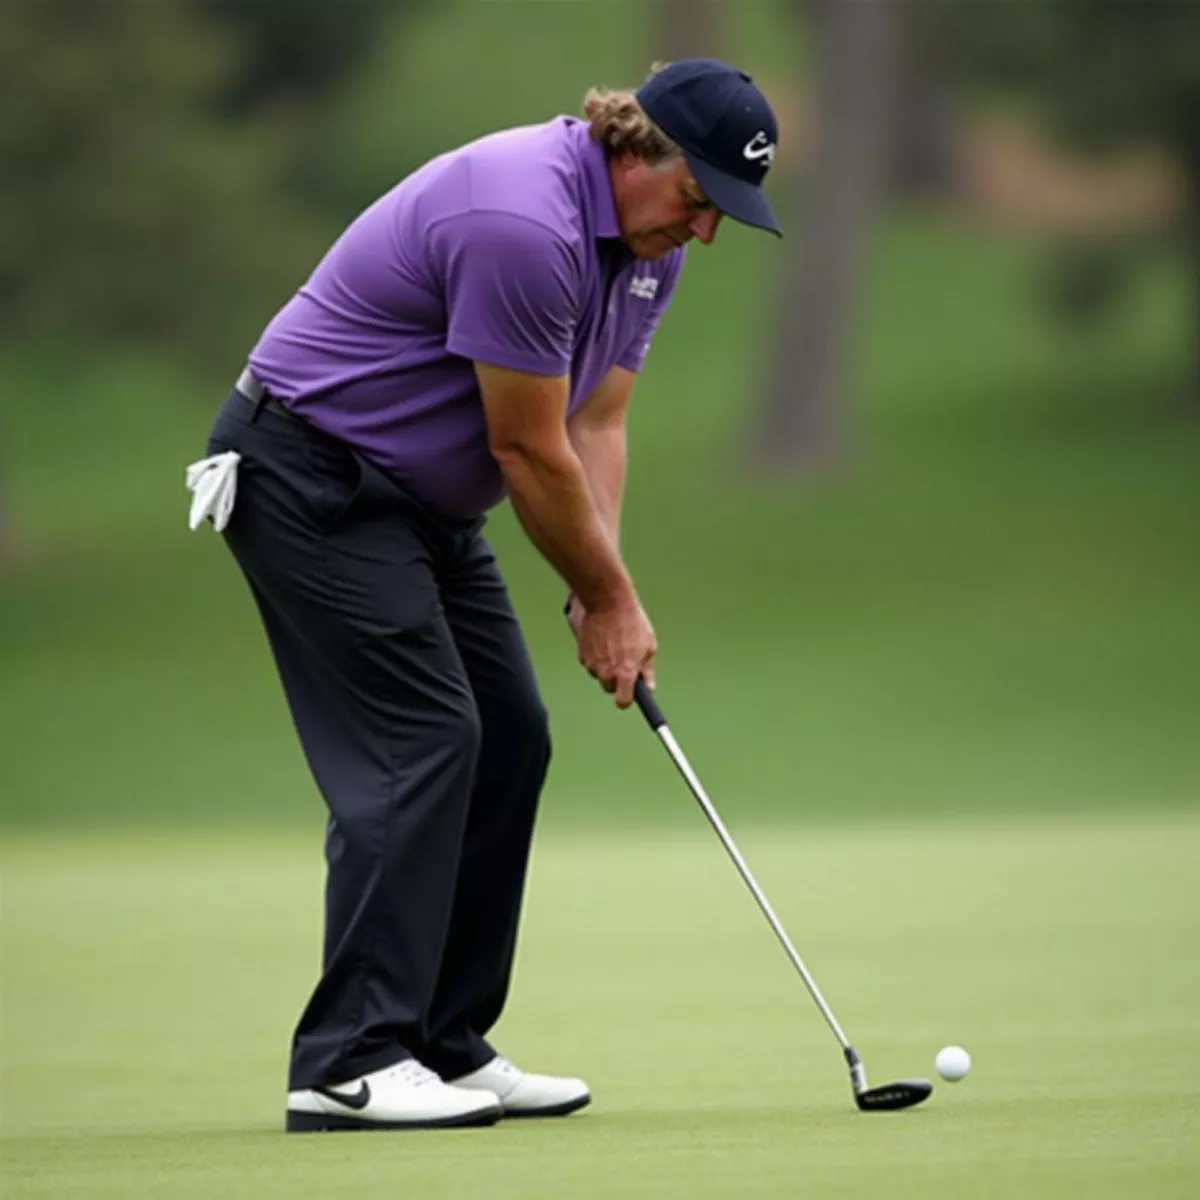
597, 432
548, 484
527, 435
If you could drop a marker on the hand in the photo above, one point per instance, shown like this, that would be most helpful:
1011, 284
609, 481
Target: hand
616, 646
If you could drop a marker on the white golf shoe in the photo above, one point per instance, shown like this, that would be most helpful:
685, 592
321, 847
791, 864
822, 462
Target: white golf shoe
405, 1095
524, 1095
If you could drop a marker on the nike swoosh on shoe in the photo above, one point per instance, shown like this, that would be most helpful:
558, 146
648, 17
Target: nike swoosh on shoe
356, 1100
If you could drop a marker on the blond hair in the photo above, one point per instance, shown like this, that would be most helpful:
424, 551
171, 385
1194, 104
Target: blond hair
617, 121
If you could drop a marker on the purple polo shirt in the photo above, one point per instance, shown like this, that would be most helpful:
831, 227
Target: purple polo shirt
504, 251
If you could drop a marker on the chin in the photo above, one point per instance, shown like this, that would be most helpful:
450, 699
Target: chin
651, 249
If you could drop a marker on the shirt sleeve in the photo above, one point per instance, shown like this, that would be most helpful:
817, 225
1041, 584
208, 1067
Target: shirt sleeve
635, 354
511, 291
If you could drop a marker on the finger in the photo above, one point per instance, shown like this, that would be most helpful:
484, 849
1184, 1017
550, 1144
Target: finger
648, 671
625, 684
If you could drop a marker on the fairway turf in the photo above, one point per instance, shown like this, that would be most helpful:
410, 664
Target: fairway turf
150, 985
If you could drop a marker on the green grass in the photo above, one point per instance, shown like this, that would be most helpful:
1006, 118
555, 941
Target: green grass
151, 982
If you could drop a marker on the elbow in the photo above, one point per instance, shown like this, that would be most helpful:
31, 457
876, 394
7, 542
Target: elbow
523, 456
510, 455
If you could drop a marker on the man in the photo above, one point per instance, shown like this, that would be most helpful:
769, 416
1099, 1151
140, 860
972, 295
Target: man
473, 334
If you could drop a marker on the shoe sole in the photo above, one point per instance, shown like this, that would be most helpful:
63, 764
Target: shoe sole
556, 1110
305, 1122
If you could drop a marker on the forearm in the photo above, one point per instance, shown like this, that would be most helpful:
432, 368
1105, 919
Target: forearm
555, 502
601, 450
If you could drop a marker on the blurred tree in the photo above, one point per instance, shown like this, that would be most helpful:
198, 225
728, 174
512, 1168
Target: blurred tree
924, 158
134, 213
298, 48
691, 28
858, 52
1103, 76
924, 154
303, 57
7, 537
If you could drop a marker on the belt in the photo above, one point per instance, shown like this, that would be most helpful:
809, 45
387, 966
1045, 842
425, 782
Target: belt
251, 388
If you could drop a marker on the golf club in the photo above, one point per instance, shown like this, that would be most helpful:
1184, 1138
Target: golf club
902, 1094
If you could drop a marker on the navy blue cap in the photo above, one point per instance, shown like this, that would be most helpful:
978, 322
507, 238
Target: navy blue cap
725, 128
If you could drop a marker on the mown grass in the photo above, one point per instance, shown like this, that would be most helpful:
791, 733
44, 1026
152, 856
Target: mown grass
151, 984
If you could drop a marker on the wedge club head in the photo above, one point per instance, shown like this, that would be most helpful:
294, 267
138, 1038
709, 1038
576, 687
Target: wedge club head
887, 1097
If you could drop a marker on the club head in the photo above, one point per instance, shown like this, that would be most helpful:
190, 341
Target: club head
887, 1097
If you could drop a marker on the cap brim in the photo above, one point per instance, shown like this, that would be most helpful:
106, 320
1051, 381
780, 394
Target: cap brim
744, 202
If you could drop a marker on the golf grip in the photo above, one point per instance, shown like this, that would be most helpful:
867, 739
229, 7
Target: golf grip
649, 706
641, 691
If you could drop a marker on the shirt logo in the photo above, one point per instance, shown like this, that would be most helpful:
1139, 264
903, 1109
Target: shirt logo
644, 287
758, 147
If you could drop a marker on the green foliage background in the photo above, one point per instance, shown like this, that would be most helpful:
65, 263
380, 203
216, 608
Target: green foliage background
987, 608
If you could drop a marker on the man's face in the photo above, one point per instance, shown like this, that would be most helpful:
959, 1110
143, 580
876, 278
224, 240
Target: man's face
660, 207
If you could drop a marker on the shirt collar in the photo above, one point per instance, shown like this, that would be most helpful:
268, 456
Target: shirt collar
599, 185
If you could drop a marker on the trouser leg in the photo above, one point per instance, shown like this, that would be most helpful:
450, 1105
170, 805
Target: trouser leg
513, 759
345, 582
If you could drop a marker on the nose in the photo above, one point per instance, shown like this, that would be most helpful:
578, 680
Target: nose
704, 226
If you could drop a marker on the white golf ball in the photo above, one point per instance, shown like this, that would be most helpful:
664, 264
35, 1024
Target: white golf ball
952, 1063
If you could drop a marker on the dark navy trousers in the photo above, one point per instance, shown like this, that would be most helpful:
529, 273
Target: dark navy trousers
413, 694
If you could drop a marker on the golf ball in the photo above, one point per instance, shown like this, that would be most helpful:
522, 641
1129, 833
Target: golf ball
952, 1063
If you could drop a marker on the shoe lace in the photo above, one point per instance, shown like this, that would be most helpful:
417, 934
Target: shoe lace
413, 1073
505, 1068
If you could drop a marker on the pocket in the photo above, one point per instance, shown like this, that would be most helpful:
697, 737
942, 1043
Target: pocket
341, 490
228, 424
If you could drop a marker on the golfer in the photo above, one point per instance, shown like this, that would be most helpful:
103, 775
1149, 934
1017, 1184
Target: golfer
474, 334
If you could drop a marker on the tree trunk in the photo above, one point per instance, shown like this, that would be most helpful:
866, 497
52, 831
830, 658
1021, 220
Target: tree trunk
924, 159
1191, 250
8, 544
691, 29
801, 420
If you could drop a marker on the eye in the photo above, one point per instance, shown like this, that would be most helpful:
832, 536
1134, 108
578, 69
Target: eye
699, 203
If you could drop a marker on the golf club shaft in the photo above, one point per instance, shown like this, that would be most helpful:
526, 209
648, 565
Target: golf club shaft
654, 717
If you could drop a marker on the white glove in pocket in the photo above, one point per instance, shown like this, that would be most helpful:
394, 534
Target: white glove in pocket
213, 484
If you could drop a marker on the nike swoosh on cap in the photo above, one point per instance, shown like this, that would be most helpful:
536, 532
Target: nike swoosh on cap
356, 1100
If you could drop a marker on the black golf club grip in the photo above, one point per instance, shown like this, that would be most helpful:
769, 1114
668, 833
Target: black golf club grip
641, 691
649, 706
